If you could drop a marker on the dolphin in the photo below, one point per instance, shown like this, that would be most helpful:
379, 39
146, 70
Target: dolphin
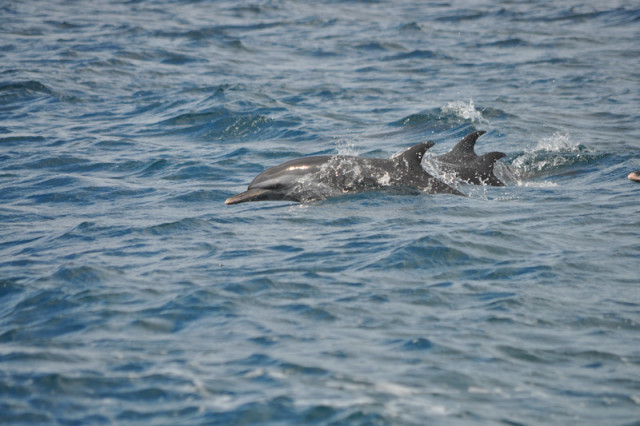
467, 165
319, 177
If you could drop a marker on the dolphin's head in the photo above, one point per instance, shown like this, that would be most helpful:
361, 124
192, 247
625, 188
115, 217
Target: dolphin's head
281, 182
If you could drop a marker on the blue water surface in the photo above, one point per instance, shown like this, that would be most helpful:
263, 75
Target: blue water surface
131, 294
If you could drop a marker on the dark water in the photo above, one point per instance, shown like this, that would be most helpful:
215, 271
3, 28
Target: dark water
129, 293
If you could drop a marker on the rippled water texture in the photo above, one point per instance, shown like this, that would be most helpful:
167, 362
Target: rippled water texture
129, 292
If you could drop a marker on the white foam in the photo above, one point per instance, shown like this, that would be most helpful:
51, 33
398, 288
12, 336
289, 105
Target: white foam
544, 184
467, 111
558, 142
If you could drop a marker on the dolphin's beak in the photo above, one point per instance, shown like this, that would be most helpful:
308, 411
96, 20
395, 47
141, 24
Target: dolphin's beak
256, 194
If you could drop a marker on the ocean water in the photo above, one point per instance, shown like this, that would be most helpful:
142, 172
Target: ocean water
131, 294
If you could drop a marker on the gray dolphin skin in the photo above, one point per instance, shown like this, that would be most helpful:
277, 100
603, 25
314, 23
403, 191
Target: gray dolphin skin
319, 177
463, 161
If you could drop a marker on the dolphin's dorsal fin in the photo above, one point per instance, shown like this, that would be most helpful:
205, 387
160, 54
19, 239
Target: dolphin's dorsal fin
490, 159
413, 156
464, 149
486, 163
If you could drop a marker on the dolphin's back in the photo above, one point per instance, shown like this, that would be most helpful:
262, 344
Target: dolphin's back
286, 173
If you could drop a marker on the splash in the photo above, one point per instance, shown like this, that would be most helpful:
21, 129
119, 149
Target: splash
345, 146
430, 165
467, 111
550, 152
549, 156
558, 142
